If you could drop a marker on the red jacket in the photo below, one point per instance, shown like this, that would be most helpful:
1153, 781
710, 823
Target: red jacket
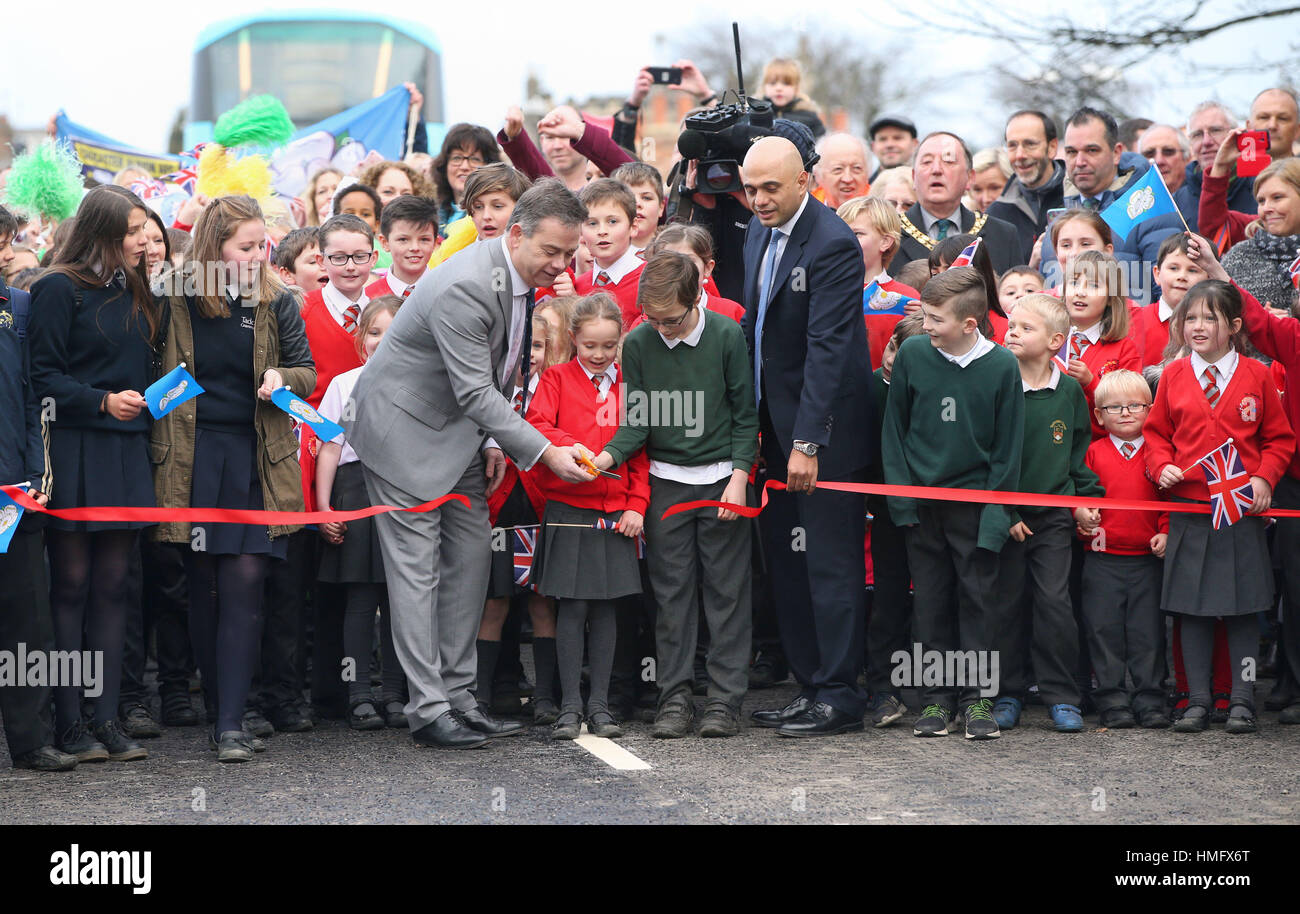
1149, 334
1182, 428
1126, 532
565, 410
624, 291
1279, 339
1100, 358
334, 351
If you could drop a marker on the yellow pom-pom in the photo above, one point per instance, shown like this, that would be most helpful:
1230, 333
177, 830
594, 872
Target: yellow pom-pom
222, 175
460, 235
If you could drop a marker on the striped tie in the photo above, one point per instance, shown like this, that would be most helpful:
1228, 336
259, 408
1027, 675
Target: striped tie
1211, 386
517, 401
602, 279
407, 292
350, 317
1127, 449
1079, 343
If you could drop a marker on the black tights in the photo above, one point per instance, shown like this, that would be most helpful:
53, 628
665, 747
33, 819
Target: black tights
572, 618
358, 636
1198, 653
226, 593
90, 590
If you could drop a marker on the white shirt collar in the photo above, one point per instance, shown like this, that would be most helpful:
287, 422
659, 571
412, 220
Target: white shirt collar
1120, 442
930, 218
1165, 311
518, 288
1092, 334
1051, 382
882, 279
619, 268
338, 303
606, 378
691, 339
396, 285
980, 348
1225, 367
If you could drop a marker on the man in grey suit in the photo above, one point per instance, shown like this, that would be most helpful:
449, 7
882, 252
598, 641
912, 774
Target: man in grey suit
423, 407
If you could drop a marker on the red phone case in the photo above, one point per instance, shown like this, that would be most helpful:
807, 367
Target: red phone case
1254, 156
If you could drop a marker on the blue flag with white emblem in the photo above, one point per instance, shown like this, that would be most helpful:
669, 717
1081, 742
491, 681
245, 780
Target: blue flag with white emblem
171, 390
10, 514
303, 411
1146, 199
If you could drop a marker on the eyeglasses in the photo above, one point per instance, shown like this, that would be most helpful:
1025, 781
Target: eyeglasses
1214, 132
1133, 408
668, 323
458, 159
341, 259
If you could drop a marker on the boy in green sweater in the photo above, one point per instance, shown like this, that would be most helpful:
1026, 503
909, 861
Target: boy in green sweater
1036, 564
954, 418
702, 451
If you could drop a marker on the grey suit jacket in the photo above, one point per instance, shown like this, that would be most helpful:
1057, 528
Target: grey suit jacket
431, 392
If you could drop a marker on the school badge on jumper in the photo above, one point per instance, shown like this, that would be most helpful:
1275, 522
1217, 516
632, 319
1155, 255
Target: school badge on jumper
1109, 366
6, 320
1248, 409
1058, 432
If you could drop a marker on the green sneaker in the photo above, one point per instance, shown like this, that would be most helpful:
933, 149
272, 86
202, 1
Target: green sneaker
932, 722
979, 720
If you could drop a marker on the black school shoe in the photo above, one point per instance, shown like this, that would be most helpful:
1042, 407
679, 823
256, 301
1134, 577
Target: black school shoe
178, 711
1241, 719
1195, 719
46, 758
256, 724
235, 746
362, 715
78, 741
121, 748
137, 722
290, 719
1118, 719
1153, 719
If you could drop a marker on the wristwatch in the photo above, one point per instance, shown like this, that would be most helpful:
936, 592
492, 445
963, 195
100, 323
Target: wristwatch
807, 448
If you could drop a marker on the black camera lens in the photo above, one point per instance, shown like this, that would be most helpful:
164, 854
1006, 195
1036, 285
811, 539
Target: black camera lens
719, 177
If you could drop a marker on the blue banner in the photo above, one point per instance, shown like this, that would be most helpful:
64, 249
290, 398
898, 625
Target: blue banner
10, 514
303, 411
171, 390
1146, 199
102, 157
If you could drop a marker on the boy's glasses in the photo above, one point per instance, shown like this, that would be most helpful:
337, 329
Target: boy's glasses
667, 323
341, 259
1133, 408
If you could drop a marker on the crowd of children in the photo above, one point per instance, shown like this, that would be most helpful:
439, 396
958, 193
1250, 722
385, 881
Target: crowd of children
1056, 386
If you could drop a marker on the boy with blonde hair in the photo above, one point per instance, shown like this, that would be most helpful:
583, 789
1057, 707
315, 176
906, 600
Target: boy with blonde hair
884, 300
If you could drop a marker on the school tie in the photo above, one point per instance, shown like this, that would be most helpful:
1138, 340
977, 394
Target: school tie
595, 382
1079, 344
1127, 449
602, 279
944, 226
765, 295
525, 350
351, 316
406, 293
1211, 386
517, 401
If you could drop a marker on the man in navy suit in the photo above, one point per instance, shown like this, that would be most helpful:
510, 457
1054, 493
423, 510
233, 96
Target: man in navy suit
812, 372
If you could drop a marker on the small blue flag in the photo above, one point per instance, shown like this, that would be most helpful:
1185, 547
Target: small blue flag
10, 514
876, 300
171, 390
1146, 199
300, 409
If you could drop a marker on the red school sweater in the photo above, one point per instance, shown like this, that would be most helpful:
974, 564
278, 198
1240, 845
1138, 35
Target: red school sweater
334, 351
1126, 532
1182, 428
1279, 339
1102, 357
565, 410
1149, 334
624, 291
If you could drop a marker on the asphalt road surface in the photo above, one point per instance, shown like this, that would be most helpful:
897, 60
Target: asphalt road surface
1030, 775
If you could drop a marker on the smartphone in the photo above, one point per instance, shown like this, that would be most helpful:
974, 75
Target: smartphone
1258, 137
1054, 213
665, 76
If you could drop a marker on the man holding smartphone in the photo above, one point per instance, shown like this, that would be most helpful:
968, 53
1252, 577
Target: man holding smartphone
1037, 188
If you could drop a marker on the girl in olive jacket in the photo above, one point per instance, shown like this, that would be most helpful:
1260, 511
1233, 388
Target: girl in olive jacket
239, 333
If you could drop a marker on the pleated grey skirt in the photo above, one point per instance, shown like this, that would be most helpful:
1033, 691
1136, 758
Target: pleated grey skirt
582, 563
1212, 572
358, 559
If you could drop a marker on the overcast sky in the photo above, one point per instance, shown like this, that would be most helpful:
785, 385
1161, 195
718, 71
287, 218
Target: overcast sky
132, 92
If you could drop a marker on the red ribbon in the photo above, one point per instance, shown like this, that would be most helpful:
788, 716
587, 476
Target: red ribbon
219, 515
979, 496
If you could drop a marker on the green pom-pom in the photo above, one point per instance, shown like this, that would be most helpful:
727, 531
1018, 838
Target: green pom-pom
46, 181
257, 121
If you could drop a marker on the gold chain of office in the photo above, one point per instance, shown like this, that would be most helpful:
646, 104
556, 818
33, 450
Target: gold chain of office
922, 238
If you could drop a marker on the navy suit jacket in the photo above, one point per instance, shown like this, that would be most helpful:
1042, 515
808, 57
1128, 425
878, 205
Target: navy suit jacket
816, 370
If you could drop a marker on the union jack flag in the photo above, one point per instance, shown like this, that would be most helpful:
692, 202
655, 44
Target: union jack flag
967, 255
525, 549
602, 524
147, 190
1295, 271
187, 177
1231, 493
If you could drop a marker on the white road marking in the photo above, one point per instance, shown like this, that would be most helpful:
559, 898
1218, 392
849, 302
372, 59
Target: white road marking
610, 752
